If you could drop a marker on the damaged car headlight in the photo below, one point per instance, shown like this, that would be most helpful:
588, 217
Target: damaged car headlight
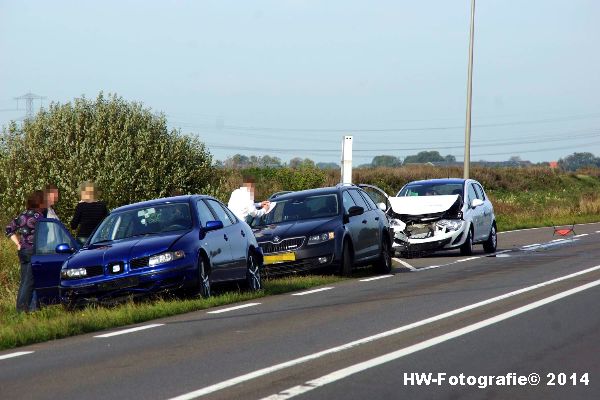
397, 225
450, 224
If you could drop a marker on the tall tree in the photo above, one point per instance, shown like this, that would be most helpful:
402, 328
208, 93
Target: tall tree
125, 148
386, 161
576, 161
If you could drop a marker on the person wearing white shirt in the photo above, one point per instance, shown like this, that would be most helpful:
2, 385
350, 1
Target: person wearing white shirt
51, 194
241, 202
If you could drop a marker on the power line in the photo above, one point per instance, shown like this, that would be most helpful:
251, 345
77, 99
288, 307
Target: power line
403, 129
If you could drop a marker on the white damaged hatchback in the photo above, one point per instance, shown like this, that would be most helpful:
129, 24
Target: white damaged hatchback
439, 214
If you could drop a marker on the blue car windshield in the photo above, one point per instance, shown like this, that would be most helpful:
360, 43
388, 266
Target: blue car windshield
300, 208
144, 221
430, 189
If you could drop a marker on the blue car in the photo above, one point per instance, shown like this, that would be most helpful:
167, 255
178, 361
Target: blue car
184, 242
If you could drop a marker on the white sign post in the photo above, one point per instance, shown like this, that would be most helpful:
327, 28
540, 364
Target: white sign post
346, 159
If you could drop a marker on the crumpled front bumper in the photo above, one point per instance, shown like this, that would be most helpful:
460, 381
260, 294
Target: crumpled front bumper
440, 240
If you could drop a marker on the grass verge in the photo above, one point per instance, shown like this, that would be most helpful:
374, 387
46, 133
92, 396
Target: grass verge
54, 322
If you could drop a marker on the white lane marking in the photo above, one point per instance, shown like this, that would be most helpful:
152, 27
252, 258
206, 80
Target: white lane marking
130, 330
581, 235
312, 291
557, 240
531, 245
233, 308
377, 361
467, 259
376, 278
277, 367
597, 231
461, 260
17, 354
404, 263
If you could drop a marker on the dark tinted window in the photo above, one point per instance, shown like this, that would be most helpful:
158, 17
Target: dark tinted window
220, 212
480, 192
348, 202
368, 199
358, 199
144, 221
204, 213
301, 208
472, 194
431, 189
48, 235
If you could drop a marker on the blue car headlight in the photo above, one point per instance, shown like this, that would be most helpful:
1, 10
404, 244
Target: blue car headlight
320, 238
450, 224
165, 257
73, 273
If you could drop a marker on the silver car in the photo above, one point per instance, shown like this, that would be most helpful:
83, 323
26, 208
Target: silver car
439, 214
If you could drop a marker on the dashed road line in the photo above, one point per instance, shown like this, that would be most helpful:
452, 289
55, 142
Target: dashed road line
304, 359
312, 291
581, 235
404, 263
530, 245
376, 278
130, 330
223, 310
16, 354
377, 361
461, 260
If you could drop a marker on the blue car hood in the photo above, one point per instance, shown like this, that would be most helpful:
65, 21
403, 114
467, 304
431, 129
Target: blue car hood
123, 250
296, 228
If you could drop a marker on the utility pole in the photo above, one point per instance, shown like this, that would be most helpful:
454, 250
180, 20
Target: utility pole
29, 98
467, 161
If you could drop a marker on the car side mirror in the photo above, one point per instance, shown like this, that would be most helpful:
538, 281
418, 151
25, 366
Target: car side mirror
476, 203
382, 206
213, 226
64, 248
210, 226
355, 210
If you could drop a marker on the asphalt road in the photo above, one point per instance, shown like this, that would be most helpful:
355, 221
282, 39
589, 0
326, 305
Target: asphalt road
530, 309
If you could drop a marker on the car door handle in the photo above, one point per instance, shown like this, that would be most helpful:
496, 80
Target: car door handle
243, 233
36, 264
364, 221
225, 237
376, 218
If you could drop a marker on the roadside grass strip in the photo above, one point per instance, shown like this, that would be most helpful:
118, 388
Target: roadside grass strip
224, 310
374, 362
369, 339
13, 355
126, 331
55, 322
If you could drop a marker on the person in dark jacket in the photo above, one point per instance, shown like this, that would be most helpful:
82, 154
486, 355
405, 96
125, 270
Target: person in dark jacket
21, 232
89, 211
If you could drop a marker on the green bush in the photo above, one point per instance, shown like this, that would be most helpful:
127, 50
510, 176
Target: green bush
122, 146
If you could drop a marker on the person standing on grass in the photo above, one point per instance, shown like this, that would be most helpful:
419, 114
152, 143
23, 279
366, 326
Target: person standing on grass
50, 198
21, 232
89, 211
241, 202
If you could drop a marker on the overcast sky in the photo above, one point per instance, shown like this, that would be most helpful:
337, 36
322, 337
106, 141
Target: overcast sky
289, 78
